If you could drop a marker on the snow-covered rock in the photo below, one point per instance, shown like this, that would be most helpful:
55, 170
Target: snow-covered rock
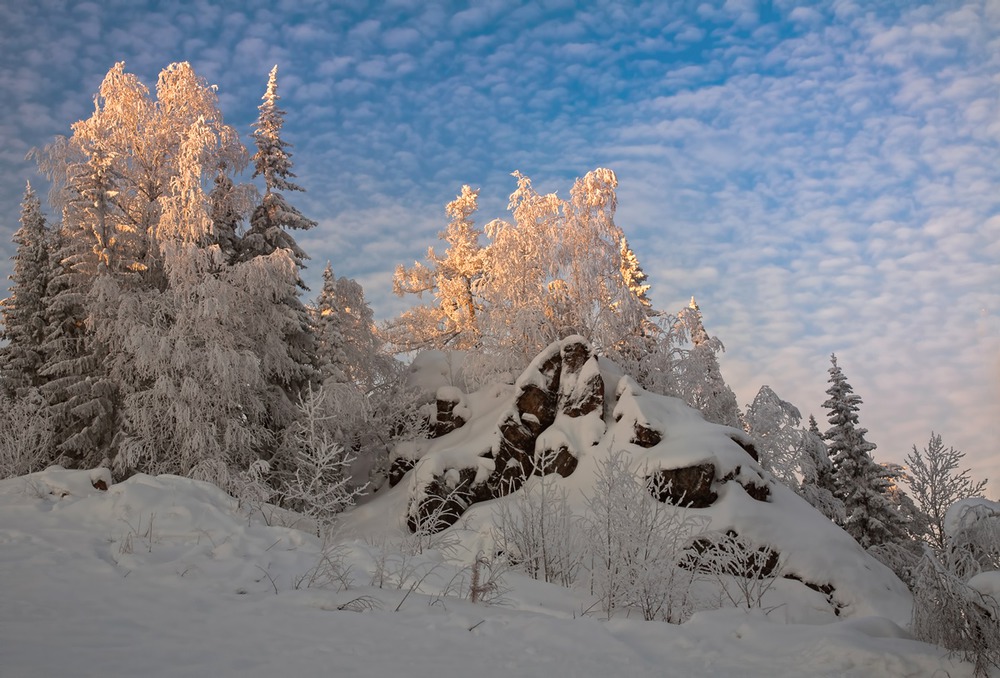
569, 411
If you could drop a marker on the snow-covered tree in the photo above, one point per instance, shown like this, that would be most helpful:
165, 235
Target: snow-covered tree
560, 267
699, 379
274, 216
349, 347
861, 483
290, 363
230, 205
818, 486
773, 424
196, 407
23, 312
329, 320
452, 320
936, 483
955, 602
111, 180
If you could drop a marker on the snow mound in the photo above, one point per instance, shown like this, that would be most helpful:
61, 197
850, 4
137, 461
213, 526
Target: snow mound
565, 416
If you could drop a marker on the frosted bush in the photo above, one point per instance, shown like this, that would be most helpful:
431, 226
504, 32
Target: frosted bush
636, 546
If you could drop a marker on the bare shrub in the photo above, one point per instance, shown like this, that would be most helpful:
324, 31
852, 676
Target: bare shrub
636, 546
536, 532
948, 612
744, 571
25, 436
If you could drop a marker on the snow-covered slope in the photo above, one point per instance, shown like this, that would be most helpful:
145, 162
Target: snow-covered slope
572, 408
167, 576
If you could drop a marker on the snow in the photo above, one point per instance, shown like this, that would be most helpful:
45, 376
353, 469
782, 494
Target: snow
812, 549
167, 576
988, 584
962, 514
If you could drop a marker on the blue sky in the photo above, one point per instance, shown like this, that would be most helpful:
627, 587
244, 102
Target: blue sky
823, 177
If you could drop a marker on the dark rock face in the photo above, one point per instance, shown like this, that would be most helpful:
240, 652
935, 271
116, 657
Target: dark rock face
536, 406
758, 491
553, 385
747, 447
443, 503
399, 468
644, 436
586, 397
690, 487
445, 419
99, 484
514, 459
559, 461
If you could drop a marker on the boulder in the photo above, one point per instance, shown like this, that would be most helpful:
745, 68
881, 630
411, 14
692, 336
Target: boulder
644, 436
445, 499
690, 486
399, 467
448, 414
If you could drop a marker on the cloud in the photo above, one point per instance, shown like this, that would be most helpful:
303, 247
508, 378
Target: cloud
823, 179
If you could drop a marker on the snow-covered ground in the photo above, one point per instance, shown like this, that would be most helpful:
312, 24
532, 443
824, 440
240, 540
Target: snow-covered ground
169, 577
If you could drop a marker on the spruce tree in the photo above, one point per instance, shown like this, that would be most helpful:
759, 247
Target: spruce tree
699, 377
329, 321
270, 257
23, 312
818, 486
274, 215
860, 482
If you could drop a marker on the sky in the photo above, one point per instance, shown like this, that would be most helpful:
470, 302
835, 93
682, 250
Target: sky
823, 177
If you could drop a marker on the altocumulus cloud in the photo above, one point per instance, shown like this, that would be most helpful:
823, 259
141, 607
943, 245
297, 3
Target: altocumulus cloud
822, 178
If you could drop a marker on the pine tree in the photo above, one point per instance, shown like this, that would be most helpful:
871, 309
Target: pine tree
23, 312
699, 377
230, 204
860, 483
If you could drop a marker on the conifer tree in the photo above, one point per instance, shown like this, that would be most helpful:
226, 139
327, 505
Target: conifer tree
861, 483
817, 485
274, 215
269, 272
699, 377
23, 312
329, 321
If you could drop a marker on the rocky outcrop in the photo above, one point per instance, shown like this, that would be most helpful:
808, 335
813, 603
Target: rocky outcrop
562, 381
445, 499
540, 434
450, 412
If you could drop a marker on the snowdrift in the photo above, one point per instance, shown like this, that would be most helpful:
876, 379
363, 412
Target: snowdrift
167, 576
